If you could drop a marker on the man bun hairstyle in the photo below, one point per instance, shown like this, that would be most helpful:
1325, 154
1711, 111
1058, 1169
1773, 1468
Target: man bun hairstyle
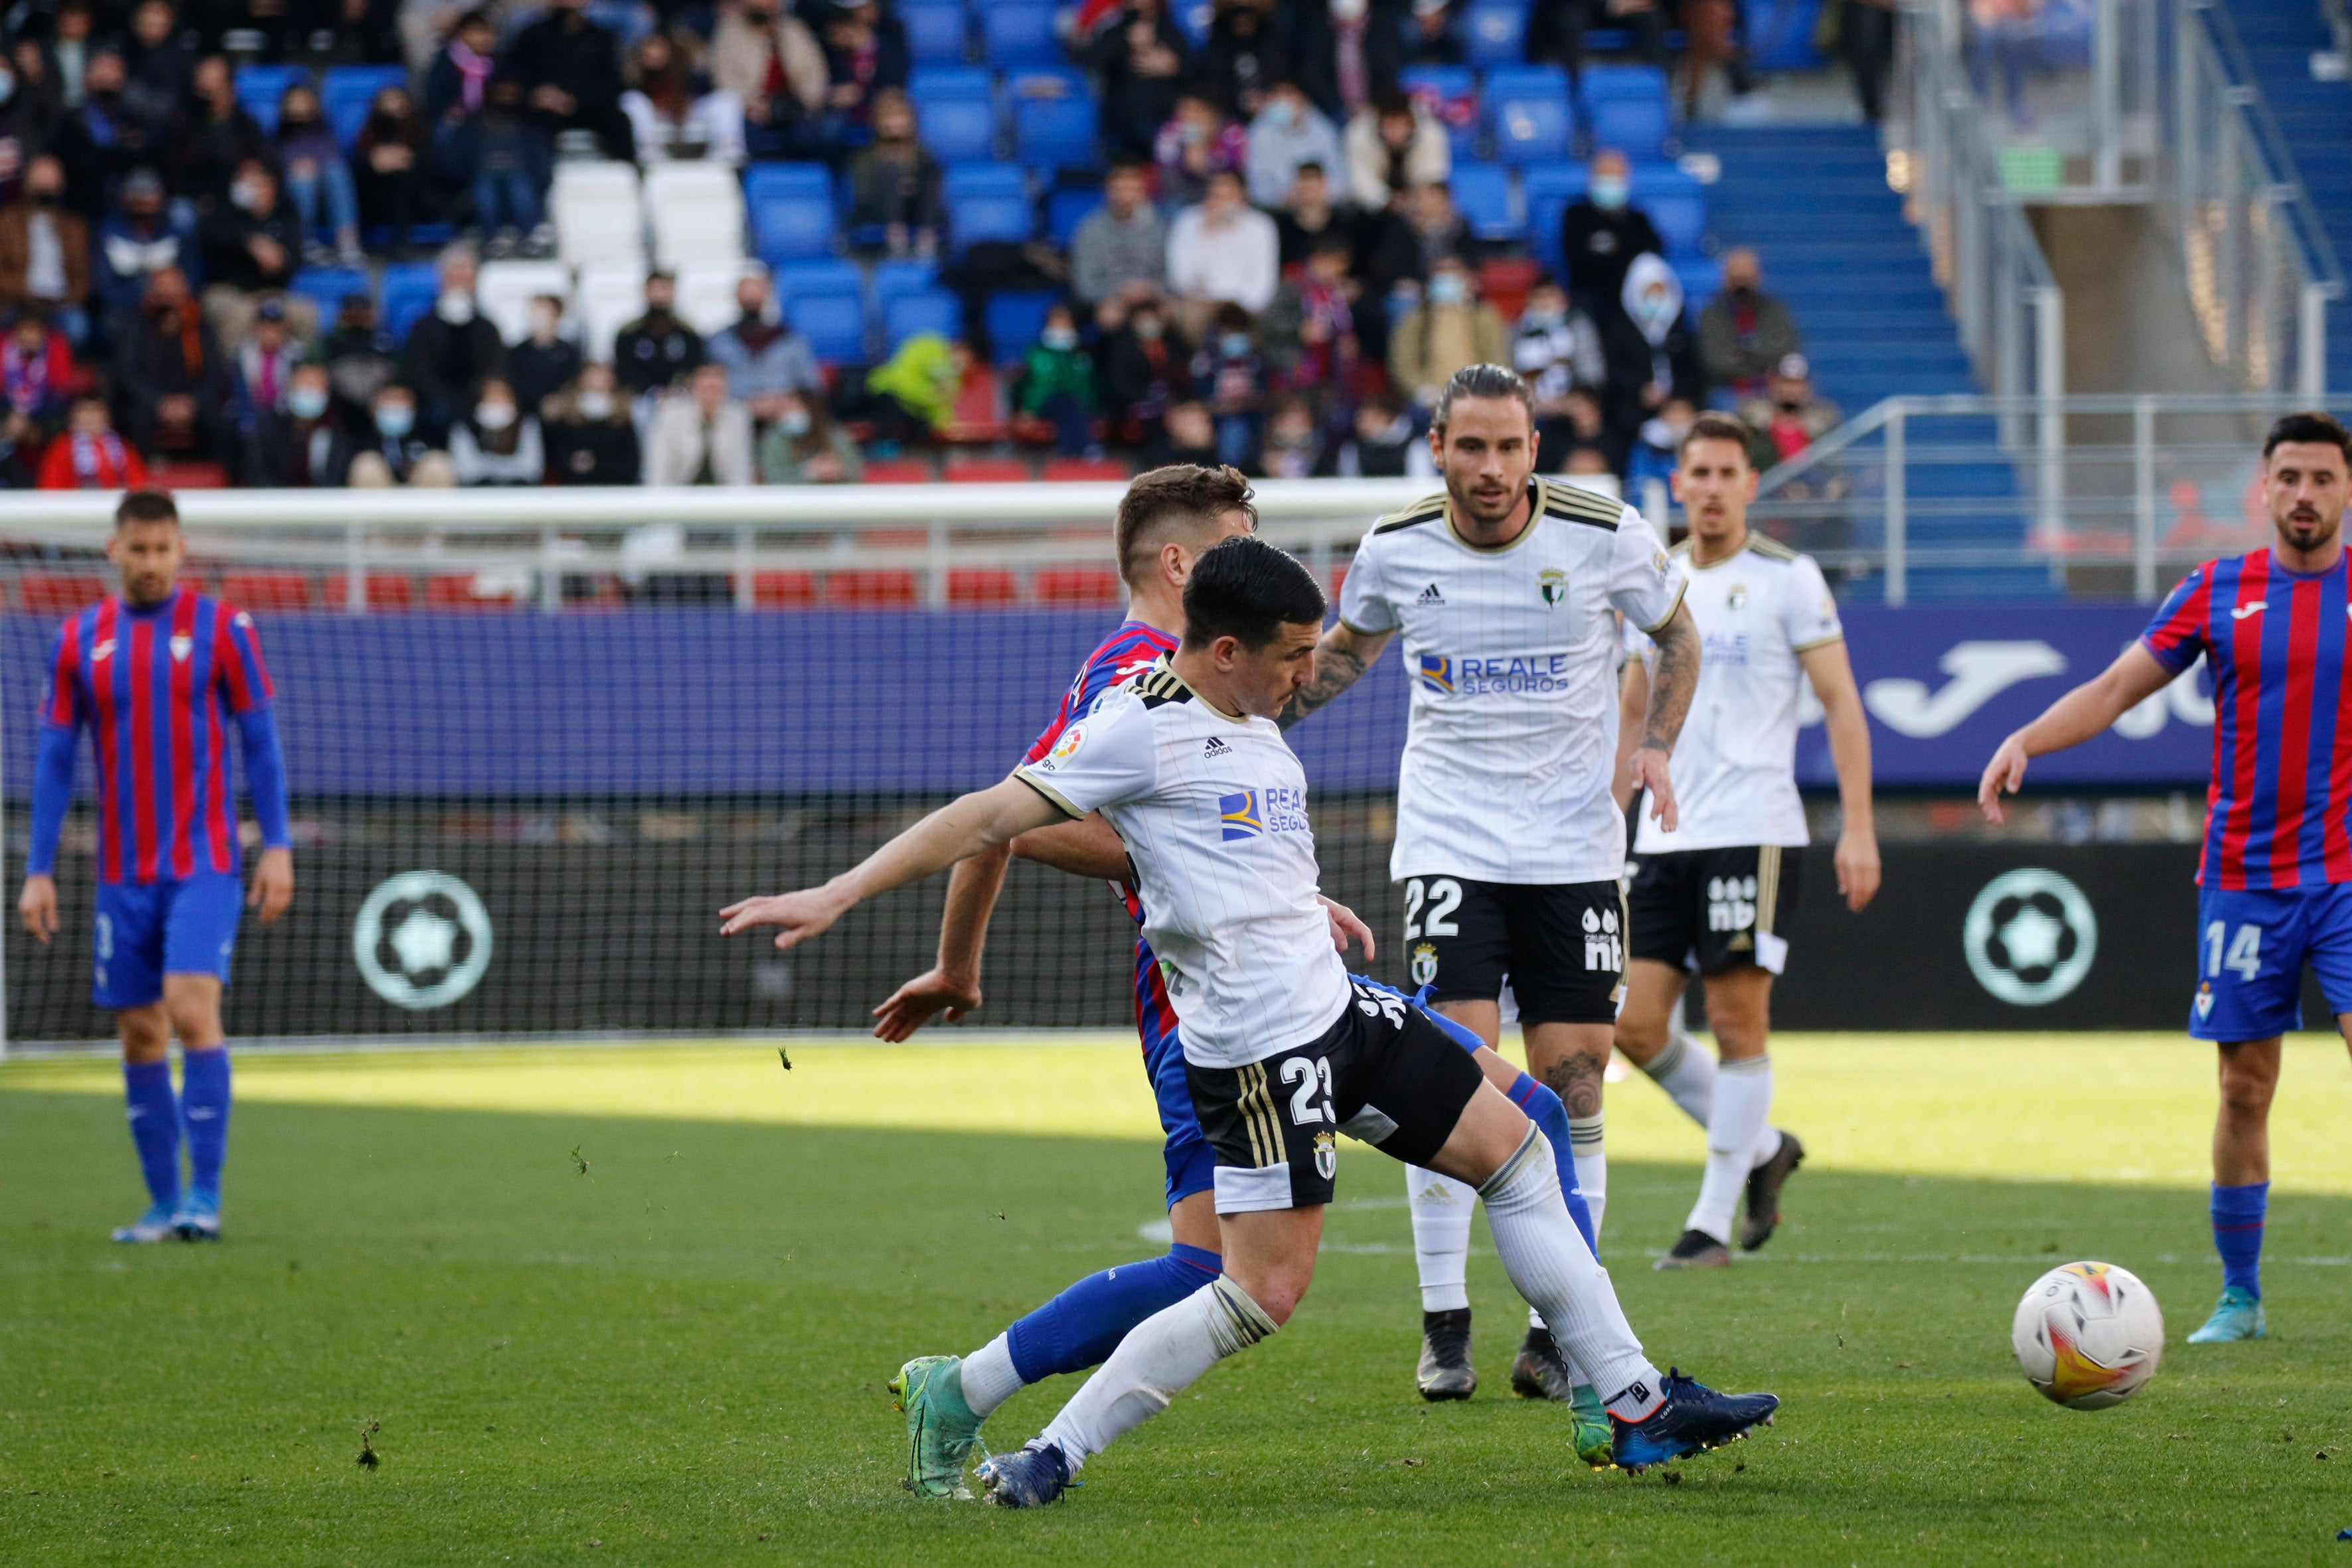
1164, 502
1482, 380
1247, 589
145, 506
1711, 426
2315, 427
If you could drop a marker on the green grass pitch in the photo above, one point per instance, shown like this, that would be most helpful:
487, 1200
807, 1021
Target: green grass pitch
639, 1306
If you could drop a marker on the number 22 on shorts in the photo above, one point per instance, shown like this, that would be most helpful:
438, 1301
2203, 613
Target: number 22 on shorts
1443, 895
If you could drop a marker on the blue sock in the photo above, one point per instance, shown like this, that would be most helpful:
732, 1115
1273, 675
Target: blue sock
1545, 1109
204, 1103
155, 1128
2238, 1234
1080, 1327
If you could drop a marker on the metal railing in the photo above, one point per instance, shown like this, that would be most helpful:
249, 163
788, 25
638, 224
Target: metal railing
2260, 271
2109, 496
2011, 314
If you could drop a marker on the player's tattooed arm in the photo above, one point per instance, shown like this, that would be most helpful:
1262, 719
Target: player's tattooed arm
1674, 678
1340, 660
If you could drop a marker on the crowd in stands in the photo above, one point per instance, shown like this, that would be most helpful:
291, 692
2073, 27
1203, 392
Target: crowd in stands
1259, 243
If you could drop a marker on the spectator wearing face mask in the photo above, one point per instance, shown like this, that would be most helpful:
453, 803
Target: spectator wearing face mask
1650, 349
651, 352
587, 433
389, 165
211, 133
308, 443
264, 363
1657, 444
452, 348
137, 238
1142, 366
670, 118
770, 60
1292, 441
45, 252
701, 439
1231, 374
1196, 145
1556, 349
1789, 417
357, 352
392, 453
1449, 329
102, 140
1381, 444
1057, 387
1310, 328
546, 361
317, 178
252, 245
1222, 252
1599, 234
37, 378
1393, 144
1288, 131
88, 456
496, 442
172, 385
764, 359
804, 446
569, 68
1744, 332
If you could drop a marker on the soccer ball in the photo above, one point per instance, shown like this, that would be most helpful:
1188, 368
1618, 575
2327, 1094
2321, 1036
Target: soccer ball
2088, 1335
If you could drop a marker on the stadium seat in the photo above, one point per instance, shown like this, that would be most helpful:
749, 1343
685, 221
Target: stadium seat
1506, 282
1193, 17
1014, 35
706, 294
1065, 210
610, 296
933, 84
872, 590
59, 593
329, 287
1529, 130
959, 130
1598, 81
1055, 134
898, 471
930, 311
1680, 220
597, 210
505, 289
1548, 189
385, 591
1483, 193
985, 179
936, 35
833, 324
1702, 280
782, 590
987, 586
259, 88
409, 291
761, 180
802, 278
979, 415
791, 227
1449, 93
695, 213
1077, 585
1516, 80
1634, 123
893, 279
987, 471
1082, 470
466, 591
190, 476
977, 215
267, 590
1013, 319
1496, 33
347, 92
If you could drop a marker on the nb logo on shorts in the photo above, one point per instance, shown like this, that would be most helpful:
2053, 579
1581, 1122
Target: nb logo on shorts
1730, 903
1604, 947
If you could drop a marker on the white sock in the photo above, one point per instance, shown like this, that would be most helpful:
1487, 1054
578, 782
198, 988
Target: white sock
1686, 1070
988, 1378
1547, 1260
1441, 1237
1591, 1157
1766, 1147
1743, 1100
1158, 1359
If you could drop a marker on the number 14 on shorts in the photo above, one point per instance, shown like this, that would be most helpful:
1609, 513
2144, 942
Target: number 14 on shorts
2241, 953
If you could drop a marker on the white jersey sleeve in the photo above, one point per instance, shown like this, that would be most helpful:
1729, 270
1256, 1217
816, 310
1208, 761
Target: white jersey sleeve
1645, 584
1364, 604
1108, 756
1809, 614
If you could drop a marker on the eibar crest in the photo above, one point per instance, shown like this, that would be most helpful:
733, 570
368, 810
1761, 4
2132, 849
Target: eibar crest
1552, 584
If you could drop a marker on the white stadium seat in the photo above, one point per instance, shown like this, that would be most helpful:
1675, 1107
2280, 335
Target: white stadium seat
706, 294
597, 210
609, 297
506, 289
695, 213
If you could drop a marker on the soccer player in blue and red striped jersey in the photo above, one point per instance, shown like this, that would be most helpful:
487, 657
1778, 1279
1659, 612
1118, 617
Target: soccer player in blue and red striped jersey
158, 674
2275, 883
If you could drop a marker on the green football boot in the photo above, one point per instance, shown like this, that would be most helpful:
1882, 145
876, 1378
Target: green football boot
941, 1431
2237, 1315
1594, 1440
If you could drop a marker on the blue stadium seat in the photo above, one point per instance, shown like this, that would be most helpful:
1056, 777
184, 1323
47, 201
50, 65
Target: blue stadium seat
764, 180
935, 33
1527, 81
1496, 33
1616, 82
985, 180
1014, 317
1702, 280
959, 130
833, 324
893, 279
1634, 126
331, 286
1529, 130
787, 228
1019, 34
927, 310
929, 84
258, 89
409, 290
1442, 82
973, 219
1680, 219
1483, 192
1047, 81
1193, 18
346, 93
1450, 94
1659, 178
808, 279
1548, 189
1051, 133
1065, 210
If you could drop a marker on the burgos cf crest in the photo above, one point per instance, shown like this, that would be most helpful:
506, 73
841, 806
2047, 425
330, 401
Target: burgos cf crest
1436, 673
1425, 964
1326, 1155
1239, 815
1552, 584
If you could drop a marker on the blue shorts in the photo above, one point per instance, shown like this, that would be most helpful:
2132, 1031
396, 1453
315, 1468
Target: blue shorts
2250, 949
149, 930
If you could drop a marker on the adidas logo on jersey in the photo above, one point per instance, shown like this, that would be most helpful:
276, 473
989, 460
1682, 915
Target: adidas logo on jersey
1215, 748
1430, 596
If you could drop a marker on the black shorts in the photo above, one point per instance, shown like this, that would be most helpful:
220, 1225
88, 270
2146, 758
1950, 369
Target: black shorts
1383, 1073
1562, 945
1714, 909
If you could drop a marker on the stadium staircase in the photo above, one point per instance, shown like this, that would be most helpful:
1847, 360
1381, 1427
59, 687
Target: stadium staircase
1813, 203
2316, 118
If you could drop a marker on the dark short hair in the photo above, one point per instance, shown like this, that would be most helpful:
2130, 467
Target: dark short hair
1482, 380
1181, 497
145, 506
1711, 427
2317, 428
1247, 589
1309, 166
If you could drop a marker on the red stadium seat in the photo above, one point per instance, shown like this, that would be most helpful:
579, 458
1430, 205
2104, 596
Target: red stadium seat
385, 591
987, 471
1074, 470
190, 476
61, 593
267, 590
980, 411
1506, 281
983, 585
1077, 585
898, 471
782, 590
455, 592
872, 590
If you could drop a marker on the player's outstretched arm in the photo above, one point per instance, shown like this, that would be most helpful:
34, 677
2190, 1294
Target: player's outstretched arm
1090, 846
1673, 681
978, 821
2073, 718
1340, 660
1857, 858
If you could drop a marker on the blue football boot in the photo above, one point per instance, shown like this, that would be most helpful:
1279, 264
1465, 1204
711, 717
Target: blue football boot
158, 1223
1026, 1478
198, 1217
2238, 1315
1693, 1416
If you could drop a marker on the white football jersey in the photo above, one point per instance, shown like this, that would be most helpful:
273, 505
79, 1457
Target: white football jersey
1513, 656
1734, 766
1213, 810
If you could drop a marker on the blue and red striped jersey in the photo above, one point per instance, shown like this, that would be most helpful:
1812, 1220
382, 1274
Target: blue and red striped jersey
2276, 810
1126, 653
156, 688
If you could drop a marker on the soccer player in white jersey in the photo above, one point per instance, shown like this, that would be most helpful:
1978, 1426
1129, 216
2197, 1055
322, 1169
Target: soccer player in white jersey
1506, 588
1713, 891
1282, 1051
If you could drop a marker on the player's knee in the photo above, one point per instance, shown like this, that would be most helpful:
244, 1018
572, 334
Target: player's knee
146, 1032
1641, 1038
193, 1013
2246, 1092
1276, 1287
1576, 1079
